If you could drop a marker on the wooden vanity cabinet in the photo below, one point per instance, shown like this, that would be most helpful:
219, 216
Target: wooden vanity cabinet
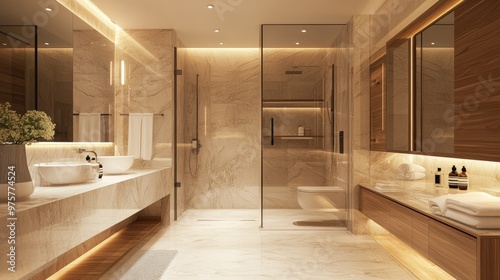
452, 250
464, 254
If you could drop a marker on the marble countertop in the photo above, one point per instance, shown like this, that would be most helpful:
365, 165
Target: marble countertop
415, 195
51, 193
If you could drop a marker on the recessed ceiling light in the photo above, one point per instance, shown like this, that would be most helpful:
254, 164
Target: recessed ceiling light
48, 9
4, 44
210, 6
432, 43
297, 43
216, 30
304, 31
221, 43
47, 44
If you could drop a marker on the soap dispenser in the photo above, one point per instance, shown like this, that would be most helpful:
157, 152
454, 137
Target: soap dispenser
453, 178
438, 178
463, 179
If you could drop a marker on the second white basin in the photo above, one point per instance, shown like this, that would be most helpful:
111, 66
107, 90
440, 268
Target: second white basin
116, 164
63, 173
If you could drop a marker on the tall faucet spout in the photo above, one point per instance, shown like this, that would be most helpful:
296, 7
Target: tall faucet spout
81, 150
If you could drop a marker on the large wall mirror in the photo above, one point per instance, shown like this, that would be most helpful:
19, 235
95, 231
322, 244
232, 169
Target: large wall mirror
67, 68
434, 87
442, 82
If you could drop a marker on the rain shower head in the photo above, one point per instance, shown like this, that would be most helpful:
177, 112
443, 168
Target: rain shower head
293, 72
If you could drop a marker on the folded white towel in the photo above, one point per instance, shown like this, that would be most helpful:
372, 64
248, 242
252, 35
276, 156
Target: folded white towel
438, 204
147, 136
410, 167
475, 204
414, 176
134, 134
474, 221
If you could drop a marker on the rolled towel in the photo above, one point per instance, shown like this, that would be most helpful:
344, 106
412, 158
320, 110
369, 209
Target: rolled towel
410, 167
438, 204
482, 222
475, 204
400, 175
414, 176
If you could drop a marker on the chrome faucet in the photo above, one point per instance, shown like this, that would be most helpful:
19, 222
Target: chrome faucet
81, 150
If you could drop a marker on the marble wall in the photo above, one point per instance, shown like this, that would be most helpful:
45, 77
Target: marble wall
369, 35
225, 171
147, 87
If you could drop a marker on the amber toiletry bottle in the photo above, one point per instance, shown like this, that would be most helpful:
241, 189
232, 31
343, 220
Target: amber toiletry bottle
453, 178
463, 179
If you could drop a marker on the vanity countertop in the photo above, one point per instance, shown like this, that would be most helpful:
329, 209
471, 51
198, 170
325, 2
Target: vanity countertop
415, 195
50, 193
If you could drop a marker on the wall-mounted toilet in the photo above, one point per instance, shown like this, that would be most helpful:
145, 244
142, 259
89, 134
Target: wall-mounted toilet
321, 198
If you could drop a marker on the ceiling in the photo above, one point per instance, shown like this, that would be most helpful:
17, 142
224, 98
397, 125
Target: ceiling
238, 20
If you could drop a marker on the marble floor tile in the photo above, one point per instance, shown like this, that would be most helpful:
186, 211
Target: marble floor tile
228, 244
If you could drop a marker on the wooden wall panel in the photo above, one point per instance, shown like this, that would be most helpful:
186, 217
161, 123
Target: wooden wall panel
13, 78
477, 80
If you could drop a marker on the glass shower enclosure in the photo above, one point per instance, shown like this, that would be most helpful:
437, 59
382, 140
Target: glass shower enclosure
301, 146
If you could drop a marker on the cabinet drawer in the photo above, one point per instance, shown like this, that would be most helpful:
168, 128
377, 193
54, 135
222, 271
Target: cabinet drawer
420, 233
376, 208
401, 222
452, 250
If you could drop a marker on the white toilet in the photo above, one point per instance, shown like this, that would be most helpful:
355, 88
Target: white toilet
321, 198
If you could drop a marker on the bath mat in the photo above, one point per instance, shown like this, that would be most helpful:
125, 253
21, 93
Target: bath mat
148, 264
332, 223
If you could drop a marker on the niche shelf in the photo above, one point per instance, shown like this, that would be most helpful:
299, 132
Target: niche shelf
292, 103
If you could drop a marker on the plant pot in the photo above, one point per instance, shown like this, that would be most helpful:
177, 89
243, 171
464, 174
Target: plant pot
14, 173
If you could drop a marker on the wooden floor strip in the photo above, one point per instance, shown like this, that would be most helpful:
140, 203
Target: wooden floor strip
98, 260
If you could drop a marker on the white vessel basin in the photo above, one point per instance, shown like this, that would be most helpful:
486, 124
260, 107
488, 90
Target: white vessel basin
63, 173
116, 164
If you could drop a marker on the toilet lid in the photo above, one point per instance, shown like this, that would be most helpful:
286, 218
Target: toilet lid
314, 189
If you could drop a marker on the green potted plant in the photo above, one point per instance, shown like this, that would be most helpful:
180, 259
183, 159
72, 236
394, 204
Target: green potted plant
16, 131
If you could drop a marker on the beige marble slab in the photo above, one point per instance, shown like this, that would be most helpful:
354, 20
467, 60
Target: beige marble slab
57, 219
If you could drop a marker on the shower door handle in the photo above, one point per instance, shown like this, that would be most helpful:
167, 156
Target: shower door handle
272, 131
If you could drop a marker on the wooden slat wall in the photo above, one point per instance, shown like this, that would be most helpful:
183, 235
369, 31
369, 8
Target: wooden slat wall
13, 78
477, 80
